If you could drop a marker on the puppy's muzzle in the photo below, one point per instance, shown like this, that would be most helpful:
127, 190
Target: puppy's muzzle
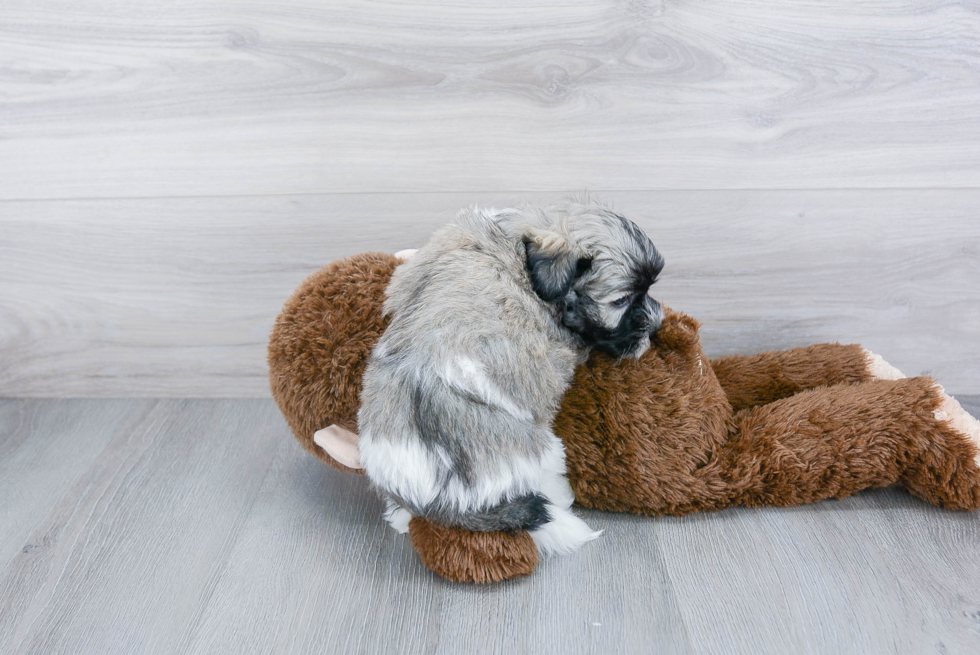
632, 336
644, 326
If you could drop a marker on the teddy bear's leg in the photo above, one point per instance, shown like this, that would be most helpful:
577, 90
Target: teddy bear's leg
834, 441
751, 380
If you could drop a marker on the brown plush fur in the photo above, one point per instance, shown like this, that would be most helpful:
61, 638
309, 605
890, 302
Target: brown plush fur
463, 556
658, 436
750, 380
320, 345
670, 433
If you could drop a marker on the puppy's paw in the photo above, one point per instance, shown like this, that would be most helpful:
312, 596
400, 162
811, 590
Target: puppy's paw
960, 420
880, 369
405, 255
397, 517
565, 533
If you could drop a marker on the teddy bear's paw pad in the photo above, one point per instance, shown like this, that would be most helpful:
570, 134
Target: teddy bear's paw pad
953, 414
880, 369
465, 556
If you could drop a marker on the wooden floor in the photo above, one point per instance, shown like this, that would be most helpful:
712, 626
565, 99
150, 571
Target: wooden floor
200, 526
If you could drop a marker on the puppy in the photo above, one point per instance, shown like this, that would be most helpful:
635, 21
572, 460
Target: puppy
488, 321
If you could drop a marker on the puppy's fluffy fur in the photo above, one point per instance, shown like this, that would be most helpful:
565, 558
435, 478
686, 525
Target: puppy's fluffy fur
488, 322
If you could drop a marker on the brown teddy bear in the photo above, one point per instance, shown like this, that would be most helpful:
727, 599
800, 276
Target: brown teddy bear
670, 433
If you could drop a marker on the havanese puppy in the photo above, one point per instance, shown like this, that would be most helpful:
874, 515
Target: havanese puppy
488, 321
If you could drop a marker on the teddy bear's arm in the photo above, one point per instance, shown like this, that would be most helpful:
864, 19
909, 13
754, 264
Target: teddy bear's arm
752, 380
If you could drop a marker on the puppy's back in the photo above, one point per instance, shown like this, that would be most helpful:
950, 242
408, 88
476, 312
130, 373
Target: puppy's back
462, 387
467, 294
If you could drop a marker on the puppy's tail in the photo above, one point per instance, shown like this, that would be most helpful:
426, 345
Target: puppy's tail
528, 512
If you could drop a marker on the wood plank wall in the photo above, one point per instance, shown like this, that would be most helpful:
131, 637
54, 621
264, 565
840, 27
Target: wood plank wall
169, 172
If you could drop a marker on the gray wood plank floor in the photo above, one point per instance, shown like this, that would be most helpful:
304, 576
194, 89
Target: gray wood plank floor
175, 526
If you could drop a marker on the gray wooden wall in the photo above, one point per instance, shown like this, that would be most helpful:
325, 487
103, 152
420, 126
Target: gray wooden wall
169, 172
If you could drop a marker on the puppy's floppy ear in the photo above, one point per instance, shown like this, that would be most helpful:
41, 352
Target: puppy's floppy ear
553, 264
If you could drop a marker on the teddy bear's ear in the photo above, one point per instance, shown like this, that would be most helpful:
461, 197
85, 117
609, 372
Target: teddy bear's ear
554, 264
340, 444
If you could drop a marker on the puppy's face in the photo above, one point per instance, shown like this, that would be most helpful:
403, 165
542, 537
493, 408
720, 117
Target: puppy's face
597, 269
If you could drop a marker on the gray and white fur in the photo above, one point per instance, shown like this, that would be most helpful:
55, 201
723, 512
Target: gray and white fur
488, 321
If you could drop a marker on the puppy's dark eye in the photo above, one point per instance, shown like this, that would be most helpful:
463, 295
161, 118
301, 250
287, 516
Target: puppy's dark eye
621, 302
